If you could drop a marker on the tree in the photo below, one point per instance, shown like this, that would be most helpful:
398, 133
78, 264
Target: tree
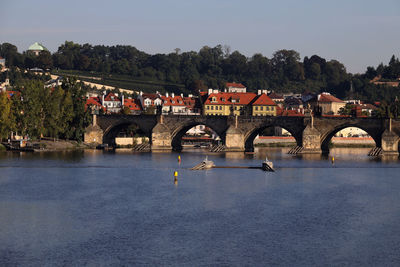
79, 116
54, 120
34, 97
6, 118
44, 60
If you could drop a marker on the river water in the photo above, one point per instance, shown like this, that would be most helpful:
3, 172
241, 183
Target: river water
122, 208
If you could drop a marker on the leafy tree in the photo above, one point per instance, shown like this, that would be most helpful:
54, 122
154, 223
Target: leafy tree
6, 116
44, 60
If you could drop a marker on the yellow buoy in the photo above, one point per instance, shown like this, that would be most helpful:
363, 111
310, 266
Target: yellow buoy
333, 159
179, 159
175, 177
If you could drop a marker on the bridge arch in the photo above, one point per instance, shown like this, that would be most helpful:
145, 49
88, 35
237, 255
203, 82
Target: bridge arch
179, 132
327, 136
114, 130
251, 135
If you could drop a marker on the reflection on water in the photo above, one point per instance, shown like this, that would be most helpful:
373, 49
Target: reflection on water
121, 208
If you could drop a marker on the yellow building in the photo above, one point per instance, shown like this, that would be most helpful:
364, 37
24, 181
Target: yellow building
264, 106
223, 103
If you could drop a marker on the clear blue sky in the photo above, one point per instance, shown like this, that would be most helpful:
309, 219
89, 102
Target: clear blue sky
358, 33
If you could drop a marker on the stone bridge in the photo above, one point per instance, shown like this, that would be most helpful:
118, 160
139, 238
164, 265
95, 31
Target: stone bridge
313, 134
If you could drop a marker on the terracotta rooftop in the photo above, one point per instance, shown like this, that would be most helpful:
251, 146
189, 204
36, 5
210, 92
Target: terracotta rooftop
236, 85
328, 98
132, 104
111, 97
263, 99
172, 101
224, 98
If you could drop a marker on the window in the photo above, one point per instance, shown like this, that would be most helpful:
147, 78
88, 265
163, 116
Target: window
212, 107
256, 108
220, 107
208, 107
214, 99
272, 108
267, 108
261, 108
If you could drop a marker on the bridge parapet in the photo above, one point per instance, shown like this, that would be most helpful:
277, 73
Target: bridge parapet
238, 133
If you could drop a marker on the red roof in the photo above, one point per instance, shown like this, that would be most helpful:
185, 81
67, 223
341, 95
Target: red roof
132, 104
173, 101
328, 98
224, 98
236, 85
94, 101
288, 112
150, 96
263, 99
111, 97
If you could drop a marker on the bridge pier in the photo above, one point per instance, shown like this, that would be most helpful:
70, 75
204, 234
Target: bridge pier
390, 143
311, 141
93, 133
234, 140
161, 139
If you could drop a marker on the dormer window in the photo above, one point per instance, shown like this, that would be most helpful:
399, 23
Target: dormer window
214, 99
173, 102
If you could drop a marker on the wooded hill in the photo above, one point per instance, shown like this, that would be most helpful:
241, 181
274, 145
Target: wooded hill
211, 67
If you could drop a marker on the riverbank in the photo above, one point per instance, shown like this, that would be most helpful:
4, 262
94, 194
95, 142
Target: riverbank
57, 145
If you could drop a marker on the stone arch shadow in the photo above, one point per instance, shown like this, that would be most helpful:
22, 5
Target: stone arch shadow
112, 131
250, 136
177, 134
327, 137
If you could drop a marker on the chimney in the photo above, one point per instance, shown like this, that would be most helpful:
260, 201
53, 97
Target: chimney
141, 93
166, 94
172, 95
190, 95
210, 91
258, 92
182, 95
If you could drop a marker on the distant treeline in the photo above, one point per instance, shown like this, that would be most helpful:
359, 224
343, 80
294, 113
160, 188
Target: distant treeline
211, 67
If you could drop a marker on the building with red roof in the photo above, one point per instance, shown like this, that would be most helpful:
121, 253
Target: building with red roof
173, 104
224, 103
193, 105
263, 106
94, 104
326, 104
134, 105
150, 101
112, 103
235, 88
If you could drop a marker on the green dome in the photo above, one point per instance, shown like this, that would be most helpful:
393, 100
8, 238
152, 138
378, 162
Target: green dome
37, 46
